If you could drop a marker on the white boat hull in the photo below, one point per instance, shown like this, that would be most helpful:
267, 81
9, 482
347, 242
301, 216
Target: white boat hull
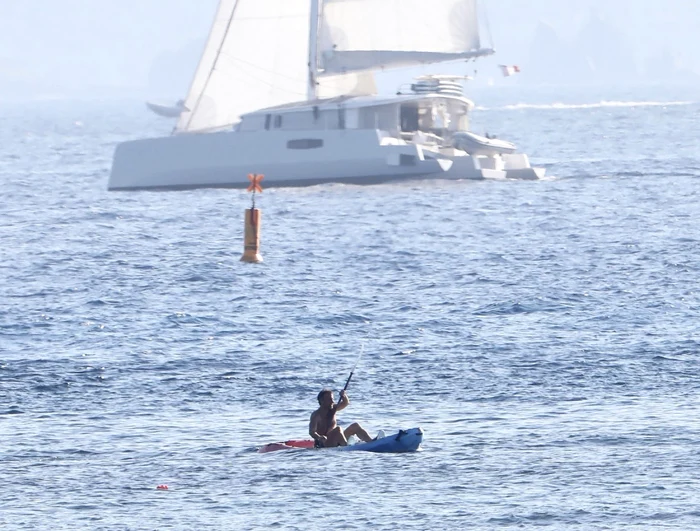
224, 160
505, 166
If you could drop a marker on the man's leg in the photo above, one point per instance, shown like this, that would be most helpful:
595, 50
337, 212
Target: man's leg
356, 429
336, 438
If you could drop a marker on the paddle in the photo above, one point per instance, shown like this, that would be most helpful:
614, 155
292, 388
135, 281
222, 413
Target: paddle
362, 350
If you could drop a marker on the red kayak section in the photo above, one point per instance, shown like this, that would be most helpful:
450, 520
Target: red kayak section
287, 445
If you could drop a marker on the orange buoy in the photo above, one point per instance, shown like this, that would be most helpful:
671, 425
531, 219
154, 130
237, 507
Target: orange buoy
251, 242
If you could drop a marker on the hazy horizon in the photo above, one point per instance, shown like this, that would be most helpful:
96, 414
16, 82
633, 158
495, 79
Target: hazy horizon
150, 48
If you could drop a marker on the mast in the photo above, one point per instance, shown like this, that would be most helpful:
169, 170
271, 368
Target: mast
314, 13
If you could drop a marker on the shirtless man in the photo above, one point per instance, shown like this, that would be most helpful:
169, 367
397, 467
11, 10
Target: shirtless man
323, 426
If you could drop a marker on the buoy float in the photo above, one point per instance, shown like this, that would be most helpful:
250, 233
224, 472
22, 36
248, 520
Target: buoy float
253, 216
251, 242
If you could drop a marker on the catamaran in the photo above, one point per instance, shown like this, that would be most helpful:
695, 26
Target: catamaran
286, 88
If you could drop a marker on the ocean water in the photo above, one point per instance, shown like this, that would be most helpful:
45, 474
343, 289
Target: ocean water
543, 334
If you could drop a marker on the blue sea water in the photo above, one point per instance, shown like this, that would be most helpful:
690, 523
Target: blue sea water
544, 334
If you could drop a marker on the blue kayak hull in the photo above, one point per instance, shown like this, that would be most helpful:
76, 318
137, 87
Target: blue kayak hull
400, 442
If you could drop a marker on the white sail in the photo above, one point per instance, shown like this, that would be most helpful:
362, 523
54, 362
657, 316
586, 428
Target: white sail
256, 57
352, 84
359, 35
216, 37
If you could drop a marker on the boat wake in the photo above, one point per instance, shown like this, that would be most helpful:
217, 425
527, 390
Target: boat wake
599, 105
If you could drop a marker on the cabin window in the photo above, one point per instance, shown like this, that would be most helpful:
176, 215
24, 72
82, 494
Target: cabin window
278, 121
268, 118
407, 160
305, 143
409, 118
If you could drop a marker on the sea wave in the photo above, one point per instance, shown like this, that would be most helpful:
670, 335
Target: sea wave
597, 105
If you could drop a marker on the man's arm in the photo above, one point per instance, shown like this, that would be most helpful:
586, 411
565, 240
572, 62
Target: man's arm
344, 401
313, 427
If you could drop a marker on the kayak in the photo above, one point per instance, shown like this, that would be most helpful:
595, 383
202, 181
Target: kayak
287, 445
401, 442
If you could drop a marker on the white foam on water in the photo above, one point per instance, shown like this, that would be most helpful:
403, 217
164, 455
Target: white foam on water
598, 105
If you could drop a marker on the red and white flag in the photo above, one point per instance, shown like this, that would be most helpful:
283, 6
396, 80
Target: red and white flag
509, 70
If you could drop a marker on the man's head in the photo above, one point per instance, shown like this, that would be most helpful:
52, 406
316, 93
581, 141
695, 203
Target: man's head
325, 398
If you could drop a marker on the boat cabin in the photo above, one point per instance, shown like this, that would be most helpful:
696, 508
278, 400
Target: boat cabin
433, 117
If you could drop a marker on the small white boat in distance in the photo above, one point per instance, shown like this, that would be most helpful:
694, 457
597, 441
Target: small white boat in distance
475, 145
285, 88
167, 111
